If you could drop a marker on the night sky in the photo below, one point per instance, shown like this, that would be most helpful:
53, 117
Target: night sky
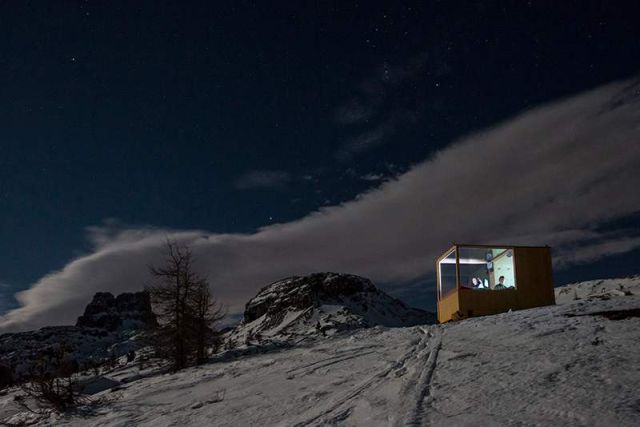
230, 116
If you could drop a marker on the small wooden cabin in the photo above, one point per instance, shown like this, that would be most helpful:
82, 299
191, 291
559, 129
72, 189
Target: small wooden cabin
477, 280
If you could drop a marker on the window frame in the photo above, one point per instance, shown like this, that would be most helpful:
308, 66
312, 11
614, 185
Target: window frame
447, 253
505, 247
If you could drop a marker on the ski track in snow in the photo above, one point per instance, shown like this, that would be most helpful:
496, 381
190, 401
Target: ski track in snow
325, 415
422, 384
341, 401
313, 367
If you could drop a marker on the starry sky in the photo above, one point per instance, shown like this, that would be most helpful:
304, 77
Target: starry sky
231, 116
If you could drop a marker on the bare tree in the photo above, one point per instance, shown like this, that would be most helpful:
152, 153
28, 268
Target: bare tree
185, 307
207, 312
51, 380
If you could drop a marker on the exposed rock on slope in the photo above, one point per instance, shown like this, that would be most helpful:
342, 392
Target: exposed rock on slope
322, 303
128, 310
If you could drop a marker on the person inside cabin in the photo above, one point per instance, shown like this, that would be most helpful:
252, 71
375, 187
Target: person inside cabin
477, 283
500, 284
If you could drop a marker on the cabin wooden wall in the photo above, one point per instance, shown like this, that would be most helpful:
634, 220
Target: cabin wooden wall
447, 307
534, 277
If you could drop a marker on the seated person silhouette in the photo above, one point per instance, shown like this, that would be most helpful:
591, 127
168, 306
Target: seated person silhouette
477, 283
500, 284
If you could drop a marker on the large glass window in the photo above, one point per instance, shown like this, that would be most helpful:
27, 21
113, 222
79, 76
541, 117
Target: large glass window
486, 268
447, 274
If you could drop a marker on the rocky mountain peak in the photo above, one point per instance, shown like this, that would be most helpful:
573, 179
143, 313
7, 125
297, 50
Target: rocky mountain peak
127, 310
303, 292
323, 303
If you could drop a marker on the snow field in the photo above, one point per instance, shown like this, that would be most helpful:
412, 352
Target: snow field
566, 365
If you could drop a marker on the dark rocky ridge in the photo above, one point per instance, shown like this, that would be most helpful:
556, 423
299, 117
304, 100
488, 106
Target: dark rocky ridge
111, 313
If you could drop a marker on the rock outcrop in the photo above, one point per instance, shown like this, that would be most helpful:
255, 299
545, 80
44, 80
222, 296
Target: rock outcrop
127, 310
322, 303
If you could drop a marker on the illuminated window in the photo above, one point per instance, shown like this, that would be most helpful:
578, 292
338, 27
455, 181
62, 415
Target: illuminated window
486, 268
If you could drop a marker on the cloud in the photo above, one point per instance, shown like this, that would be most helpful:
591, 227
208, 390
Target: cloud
365, 141
554, 175
262, 179
377, 110
373, 177
609, 244
354, 112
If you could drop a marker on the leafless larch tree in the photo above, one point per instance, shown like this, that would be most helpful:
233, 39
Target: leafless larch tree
185, 307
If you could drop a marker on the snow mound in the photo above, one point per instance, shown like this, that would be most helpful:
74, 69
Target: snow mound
598, 289
321, 304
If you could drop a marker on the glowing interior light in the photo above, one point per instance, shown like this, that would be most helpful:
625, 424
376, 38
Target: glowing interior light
463, 261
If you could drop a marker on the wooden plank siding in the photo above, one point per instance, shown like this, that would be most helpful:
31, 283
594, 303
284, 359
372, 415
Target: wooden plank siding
447, 307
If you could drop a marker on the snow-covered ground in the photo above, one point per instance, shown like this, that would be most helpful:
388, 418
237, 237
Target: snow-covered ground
572, 364
598, 289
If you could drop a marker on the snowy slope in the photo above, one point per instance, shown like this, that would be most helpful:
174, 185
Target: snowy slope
575, 364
